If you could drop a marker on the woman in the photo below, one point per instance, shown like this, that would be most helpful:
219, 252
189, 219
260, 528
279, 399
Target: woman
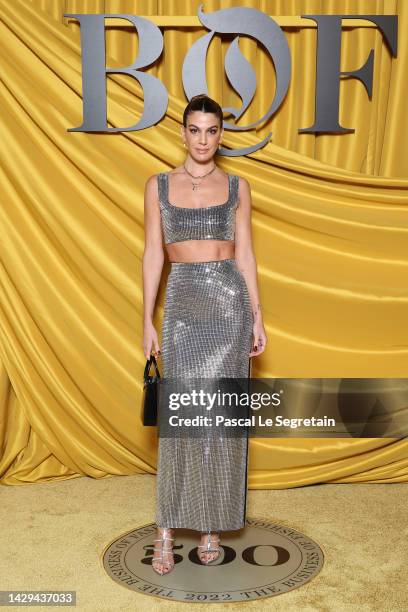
212, 325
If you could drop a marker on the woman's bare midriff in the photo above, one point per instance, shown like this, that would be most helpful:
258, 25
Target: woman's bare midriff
200, 250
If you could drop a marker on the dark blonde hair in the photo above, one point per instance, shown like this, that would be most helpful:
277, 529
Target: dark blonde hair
205, 104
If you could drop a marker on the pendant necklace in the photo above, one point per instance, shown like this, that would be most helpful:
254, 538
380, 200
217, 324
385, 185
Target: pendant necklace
196, 185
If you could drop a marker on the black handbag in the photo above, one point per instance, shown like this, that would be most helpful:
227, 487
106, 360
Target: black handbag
150, 393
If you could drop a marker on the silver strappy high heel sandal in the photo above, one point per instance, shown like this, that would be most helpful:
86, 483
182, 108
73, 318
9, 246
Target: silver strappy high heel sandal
165, 536
207, 549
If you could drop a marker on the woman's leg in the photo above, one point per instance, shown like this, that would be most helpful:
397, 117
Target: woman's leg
209, 547
163, 559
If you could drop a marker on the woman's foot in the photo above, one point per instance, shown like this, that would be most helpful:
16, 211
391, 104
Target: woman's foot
209, 549
163, 560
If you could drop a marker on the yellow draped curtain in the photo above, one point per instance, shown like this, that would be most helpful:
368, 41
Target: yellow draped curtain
329, 228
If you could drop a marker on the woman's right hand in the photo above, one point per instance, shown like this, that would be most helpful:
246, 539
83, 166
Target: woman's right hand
150, 340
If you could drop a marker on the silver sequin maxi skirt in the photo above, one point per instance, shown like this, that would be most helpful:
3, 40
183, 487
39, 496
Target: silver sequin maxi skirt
207, 332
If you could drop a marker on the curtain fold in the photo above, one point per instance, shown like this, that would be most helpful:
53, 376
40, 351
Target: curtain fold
329, 226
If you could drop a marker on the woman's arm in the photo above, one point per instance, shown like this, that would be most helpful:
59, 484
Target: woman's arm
152, 263
246, 263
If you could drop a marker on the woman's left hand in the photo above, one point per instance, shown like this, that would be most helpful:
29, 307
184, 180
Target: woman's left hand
260, 340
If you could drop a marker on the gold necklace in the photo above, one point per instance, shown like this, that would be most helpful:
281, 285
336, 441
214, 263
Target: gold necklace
196, 185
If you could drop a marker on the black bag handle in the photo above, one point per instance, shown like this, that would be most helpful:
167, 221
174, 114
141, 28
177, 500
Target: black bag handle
149, 362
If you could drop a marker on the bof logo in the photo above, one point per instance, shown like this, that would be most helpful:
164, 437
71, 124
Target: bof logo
241, 21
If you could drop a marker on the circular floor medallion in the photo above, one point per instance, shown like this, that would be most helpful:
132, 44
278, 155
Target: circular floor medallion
262, 560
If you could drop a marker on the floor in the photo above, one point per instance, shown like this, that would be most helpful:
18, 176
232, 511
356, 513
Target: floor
53, 535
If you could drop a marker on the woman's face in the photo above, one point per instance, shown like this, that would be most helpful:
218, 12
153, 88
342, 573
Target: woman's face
202, 135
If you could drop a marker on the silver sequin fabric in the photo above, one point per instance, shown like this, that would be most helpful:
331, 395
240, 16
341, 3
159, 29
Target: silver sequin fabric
206, 223
207, 332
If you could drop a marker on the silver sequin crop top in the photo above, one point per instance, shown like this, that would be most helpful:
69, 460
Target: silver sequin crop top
215, 222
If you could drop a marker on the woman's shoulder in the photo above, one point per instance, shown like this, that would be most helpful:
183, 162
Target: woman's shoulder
242, 184
243, 189
153, 179
179, 170
154, 185
242, 180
